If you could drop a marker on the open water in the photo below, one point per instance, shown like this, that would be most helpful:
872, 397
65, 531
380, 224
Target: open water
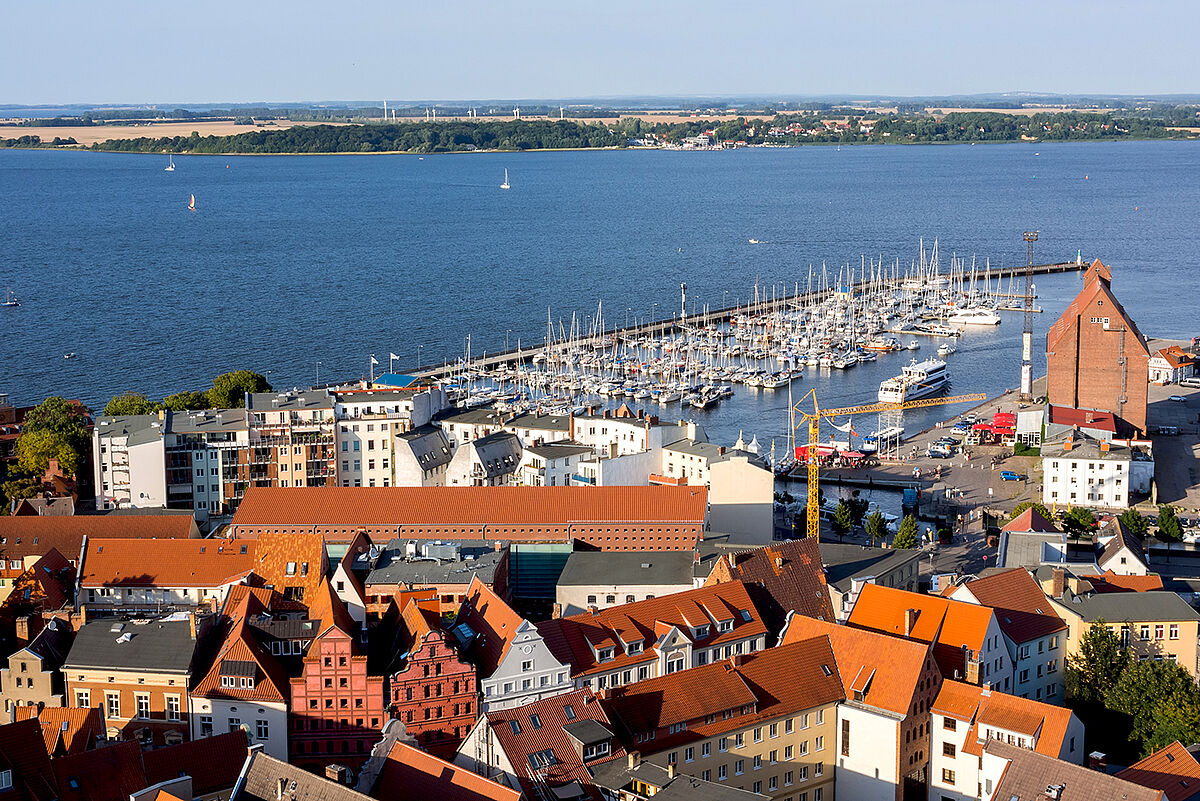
293, 260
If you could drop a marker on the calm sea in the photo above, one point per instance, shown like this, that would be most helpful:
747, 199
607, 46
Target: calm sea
290, 261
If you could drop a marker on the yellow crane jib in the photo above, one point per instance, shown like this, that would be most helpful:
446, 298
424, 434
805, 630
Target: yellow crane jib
803, 417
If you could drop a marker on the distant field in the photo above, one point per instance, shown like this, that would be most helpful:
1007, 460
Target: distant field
88, 135
1021, 112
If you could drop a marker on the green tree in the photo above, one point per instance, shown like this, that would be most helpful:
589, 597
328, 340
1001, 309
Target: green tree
36, 448
1160, 698
843, 519
906, 536
229, 389
188, 400
1134, 521
1097, 666
858, 509
1169, 528
1037, 507
54, 429
128, 403
876, 525
1079, 522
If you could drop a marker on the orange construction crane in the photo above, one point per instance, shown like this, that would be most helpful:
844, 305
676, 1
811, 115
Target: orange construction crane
801, 417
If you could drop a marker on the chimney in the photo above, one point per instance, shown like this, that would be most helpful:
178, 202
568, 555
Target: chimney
738, 660
910, 620
1104, 445
1090, 417
671, 771
1068, 444
987, 689
556, 611
1058, 582
634, 759
192, 624
280, 786
779, 562
592, 610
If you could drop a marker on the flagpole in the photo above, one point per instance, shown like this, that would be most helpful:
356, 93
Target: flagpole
373, 363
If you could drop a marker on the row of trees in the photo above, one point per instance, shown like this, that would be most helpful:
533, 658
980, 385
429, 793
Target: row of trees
492, 134
54, 429
1158, 700
1080, 522
28, 141
851, 512
227, 392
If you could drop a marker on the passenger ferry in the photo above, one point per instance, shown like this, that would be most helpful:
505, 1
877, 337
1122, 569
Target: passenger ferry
918, 380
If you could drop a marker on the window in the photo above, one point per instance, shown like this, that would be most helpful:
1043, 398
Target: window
758, 761
113, 704
948, 750
739, 767
689, 754
819, 744
5, 779
206, 729
949, 724
527, 666
773, 757
705, 750
739, 740
261, 730
947, 776
758, 787
83, 699
723, 744
721, 773
535, 721
1173, 631
845, 738
172, 707
787, 779
787, 753
235, 724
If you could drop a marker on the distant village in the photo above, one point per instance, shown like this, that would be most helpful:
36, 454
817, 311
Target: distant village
370, 591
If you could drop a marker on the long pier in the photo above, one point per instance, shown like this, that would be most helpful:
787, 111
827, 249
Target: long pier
518, 356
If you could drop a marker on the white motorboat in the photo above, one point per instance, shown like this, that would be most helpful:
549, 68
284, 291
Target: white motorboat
917, 380
975, 316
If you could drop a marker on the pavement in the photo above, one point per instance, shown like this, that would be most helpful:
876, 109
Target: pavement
1176, 456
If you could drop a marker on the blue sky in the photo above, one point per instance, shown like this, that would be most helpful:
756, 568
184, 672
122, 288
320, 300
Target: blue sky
67, 51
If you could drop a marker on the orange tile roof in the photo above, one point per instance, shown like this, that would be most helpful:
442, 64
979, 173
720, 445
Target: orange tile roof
1113, 582
213, 762
1021, 607
571, 639
979, 707
1030, 520
239, 645
775, 682
410, 774
1171, 769
104, 774
549, 736
325, 605
790, 575
898, 663
948, 624
166, 563
68, 730
1176, 356
478, 507
33, 536
304, 552
493, 620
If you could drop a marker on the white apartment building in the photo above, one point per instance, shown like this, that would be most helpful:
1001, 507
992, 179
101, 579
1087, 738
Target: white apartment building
551, 464
1081, 471
368, 420
421, 457
490, 461
965, 717
130, 462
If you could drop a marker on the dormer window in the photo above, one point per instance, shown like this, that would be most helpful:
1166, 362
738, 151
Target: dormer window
701, 632
725, 625
635, 647
604, 654
595, 751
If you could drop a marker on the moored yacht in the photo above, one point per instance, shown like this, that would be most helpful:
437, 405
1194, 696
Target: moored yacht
918, 380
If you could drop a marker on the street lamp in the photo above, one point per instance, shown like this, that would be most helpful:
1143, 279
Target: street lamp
318, 381
419, 356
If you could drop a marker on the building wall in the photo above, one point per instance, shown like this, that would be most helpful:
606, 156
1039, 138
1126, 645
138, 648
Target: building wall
811, 735
1183, 648
435, 696
1094, 363
481, 753
212, 716
528, 673
337, 709
24, 683
1066, 481
128, 598
575, 599
867, 770
90, 687
741, 499
365, 449
672, 649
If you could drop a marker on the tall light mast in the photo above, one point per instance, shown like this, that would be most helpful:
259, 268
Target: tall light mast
1027, 337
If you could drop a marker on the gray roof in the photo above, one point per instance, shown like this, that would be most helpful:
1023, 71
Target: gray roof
753, 458
585, 568
476, 558
429, 446
705, 450
541, 422
559, 450
498, 453
480, 416
843, 562
138, 428
262, 776
1122, 538
159, 646
1029, 774
207, 421
588, 731
615, 775
51, 644
1084, 447
305, 399
1133, 607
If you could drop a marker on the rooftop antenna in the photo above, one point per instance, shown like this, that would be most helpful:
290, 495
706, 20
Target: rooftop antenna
1027, 336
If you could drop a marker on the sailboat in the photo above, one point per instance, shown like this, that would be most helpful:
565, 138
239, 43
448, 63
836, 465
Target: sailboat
192, 204
505, 185
9, 301
170, 165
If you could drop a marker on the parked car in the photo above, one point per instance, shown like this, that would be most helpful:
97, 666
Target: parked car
1008, 475
1177, 399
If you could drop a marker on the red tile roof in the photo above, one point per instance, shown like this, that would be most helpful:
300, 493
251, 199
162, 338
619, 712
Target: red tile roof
1084, 418
1112, 582
166, 563
513, 513
549, 736
572, 639
950, 625
1096, 286
23, 751
111, 773
1021, 607
213, 762
493, 621
240, 645
778, 681
897, 664
50, 581
1175, 356
410, 774
783, 577
1031, 520
68, 730
33, 536
1172, 769
976, 706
